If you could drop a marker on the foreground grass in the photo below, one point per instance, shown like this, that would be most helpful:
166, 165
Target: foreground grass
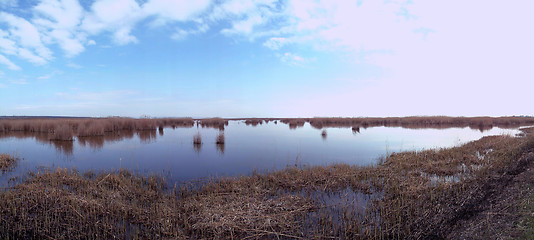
415, 195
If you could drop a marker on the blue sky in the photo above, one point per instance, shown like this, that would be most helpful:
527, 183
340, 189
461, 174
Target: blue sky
266, 58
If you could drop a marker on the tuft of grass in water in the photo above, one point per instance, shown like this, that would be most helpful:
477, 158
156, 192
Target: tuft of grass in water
7, 162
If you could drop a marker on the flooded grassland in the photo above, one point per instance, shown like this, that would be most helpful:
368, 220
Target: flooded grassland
413, 193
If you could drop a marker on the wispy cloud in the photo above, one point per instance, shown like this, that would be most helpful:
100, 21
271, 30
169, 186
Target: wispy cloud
8, 63
27, 40
108, 96
50, 75
74, 65
59, 23
20, 81
8, 3
294, 59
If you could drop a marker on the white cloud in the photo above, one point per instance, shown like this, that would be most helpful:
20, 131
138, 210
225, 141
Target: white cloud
8, 63
175, 10
122, 36
59, 21
27, 37
275, 43
91, 42
248, 18
30, 56
294, 59
74, 65
116, 16
181, 34
7, 45
103, 97
19, 81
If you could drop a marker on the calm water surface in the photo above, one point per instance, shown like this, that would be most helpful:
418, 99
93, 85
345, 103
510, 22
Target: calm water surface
264, 147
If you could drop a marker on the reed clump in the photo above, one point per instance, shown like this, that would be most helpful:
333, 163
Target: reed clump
217, 123
255, 121
7, 162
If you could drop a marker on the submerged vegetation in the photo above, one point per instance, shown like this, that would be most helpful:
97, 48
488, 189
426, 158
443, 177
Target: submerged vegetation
417, 195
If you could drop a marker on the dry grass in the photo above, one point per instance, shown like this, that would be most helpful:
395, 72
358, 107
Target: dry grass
254, 121
7, 162
217, 123
439, 122
409, 195
68, 205
480, 123
65, 129
294, 122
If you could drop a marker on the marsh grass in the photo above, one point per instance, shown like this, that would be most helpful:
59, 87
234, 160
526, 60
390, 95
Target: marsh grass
254, 121
65, 129
438, 122
7, 162
217, 123
409, 195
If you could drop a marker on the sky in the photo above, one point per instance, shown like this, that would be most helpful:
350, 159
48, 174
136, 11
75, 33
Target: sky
266, 58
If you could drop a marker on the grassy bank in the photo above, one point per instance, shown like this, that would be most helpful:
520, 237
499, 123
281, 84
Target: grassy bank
423, 194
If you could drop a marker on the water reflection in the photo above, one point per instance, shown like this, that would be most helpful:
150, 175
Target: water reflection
243, 148
65, 147
197, 147
323, 135
253, 122
220, 148
97, 142
147, 136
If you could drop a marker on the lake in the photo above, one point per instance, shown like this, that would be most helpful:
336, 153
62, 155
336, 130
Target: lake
247, 148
